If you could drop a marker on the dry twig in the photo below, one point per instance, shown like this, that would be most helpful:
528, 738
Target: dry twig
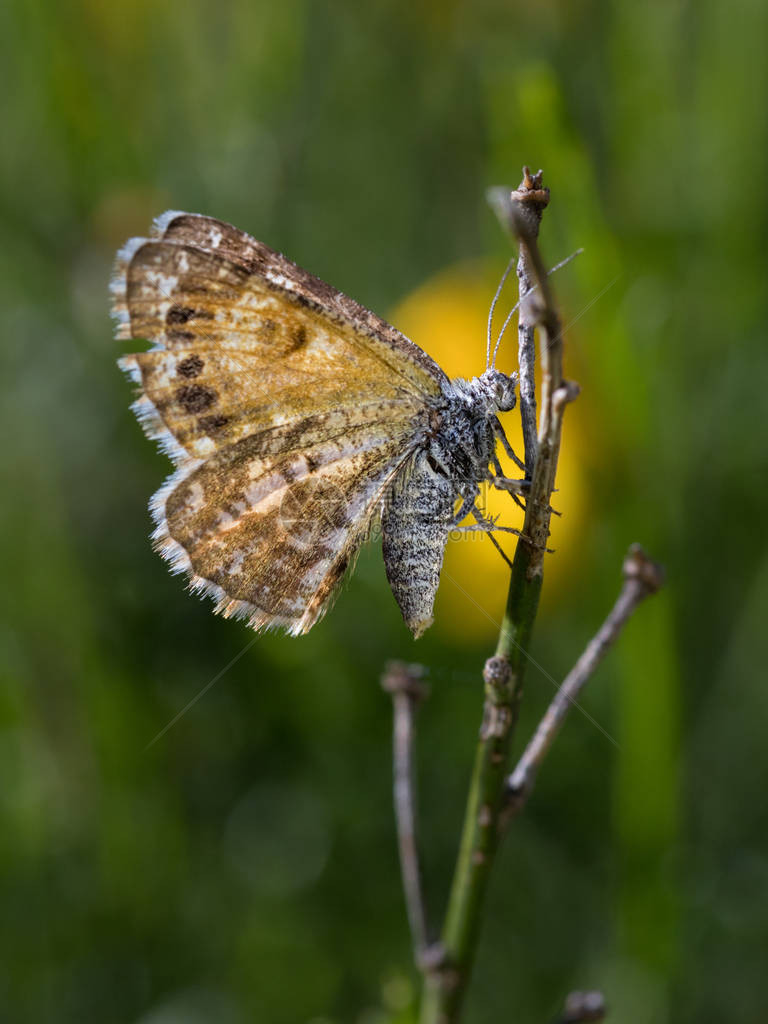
642, 577
404, 684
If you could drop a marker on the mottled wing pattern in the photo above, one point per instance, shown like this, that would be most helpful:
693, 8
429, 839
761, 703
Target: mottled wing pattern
287, 408
270, 533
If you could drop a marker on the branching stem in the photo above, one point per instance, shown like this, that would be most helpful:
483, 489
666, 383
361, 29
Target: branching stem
642, 577
493, 797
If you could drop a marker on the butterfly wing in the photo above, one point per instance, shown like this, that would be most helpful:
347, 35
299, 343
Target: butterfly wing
288, 410
246, 340
269, 525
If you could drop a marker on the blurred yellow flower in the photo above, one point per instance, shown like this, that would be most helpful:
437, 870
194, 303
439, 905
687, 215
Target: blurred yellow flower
447, 317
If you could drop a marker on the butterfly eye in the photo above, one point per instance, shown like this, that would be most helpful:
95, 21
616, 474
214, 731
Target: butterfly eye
505, 394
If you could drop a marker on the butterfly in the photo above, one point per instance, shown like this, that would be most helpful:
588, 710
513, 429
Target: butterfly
298, 422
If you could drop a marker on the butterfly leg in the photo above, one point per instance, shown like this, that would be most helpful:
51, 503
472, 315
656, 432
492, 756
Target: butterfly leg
488, 526
513, 487
467, 506
501, 550
499, 431
506, 483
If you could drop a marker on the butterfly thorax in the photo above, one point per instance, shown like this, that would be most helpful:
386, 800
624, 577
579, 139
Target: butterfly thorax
464, 442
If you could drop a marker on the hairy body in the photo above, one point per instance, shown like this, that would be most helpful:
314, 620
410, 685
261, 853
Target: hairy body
448, 467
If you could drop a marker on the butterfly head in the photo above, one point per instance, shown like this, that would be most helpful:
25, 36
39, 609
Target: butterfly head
497, 389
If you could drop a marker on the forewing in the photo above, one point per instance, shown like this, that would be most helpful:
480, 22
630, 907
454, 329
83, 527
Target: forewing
245, 340
270, 532
257, 259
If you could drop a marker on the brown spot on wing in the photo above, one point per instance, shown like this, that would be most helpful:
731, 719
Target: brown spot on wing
191, 366
179, 314
298, 339
195, 398
183, 314
212, 424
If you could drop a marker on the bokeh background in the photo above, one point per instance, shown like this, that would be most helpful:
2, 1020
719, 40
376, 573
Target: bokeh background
243, 867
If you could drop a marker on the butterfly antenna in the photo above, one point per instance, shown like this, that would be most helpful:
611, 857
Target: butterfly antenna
557, 266
565, 262
503, 328
502, 282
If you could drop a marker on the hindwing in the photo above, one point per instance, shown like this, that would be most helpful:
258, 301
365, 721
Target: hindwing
269, 525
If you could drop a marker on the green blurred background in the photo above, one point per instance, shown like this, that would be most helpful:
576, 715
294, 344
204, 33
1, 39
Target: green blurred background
243, 868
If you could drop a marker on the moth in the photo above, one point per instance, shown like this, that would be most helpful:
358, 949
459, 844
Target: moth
298, 422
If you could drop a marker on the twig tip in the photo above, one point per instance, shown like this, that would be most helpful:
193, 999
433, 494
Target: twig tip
638, 566
568, 392
531, 189
581, 1007
402, 677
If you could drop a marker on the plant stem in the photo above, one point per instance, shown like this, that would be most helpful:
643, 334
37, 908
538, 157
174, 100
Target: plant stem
446, 986
493, 798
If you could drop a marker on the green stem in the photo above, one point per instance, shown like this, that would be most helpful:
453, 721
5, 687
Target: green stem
446, 983
445, 988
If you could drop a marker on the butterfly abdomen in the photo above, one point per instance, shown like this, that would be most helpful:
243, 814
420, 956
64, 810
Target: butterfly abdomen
415, 526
